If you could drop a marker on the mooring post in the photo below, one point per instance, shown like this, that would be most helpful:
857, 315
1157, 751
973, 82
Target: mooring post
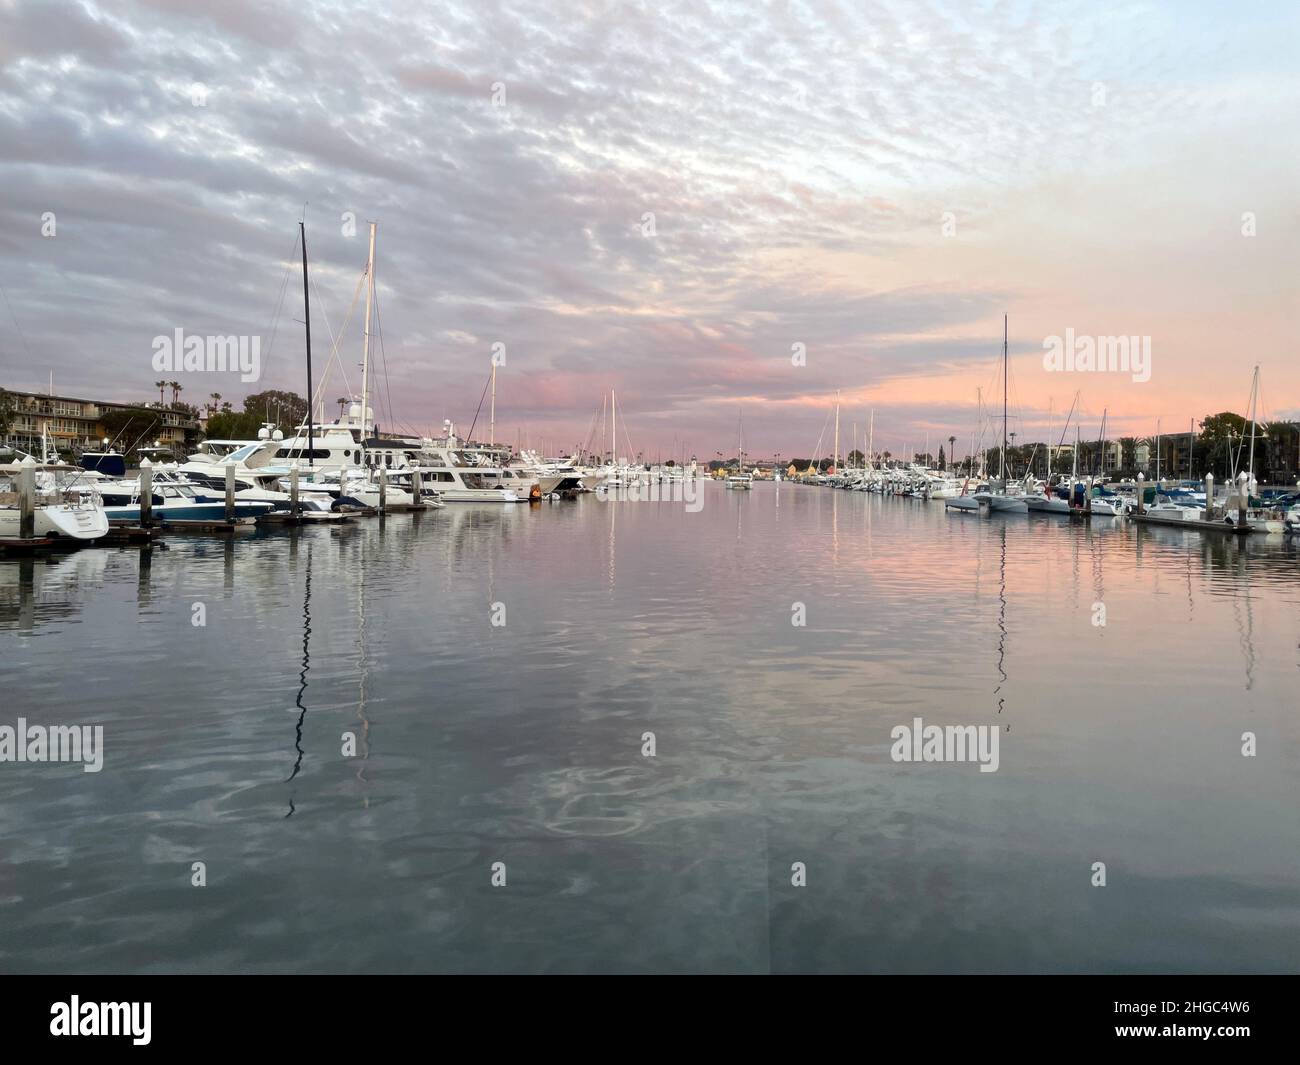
295, 507
417, 487
1141, 483
1243, 499
27, 499
1209, 497
230, 492
1087, 499
146, 493
383, 488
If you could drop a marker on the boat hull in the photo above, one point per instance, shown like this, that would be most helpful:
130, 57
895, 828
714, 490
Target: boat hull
195, 511
1046, 505
68, 520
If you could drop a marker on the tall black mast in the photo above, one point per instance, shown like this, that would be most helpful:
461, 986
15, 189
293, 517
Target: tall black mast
306, 316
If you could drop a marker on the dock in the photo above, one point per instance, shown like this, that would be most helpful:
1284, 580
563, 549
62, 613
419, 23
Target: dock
25, 545
129, 534
1200, 525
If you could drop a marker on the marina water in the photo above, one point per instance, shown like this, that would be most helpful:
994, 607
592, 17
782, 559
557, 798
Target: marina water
499, 669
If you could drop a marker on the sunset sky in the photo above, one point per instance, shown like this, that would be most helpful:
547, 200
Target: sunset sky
663, 199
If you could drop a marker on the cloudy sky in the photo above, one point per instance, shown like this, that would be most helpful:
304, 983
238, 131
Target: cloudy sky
664, 199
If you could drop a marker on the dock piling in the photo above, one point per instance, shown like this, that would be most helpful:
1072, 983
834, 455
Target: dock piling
295, 506
1209, 497
27, 500
230, 491
146, 493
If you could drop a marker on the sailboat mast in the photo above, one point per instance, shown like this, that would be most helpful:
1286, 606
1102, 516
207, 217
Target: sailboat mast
365, 358
306, 321
1254, 416
492, 417
871, 438
837, 430
613, 427
1003, 470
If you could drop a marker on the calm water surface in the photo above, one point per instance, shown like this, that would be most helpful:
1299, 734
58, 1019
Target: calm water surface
522, 744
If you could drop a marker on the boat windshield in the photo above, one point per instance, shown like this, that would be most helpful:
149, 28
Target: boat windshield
243, 453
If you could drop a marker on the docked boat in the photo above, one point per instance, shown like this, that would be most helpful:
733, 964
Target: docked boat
63, 508
172, 501
456, 479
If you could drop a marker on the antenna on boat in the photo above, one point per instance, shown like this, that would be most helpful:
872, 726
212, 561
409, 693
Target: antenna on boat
306, 321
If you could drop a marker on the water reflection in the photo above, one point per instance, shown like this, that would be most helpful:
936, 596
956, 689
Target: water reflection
523, 744
302, 677
1001, 535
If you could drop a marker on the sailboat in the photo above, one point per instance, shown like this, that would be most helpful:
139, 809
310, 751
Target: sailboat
965, 499
1111, 506
1048, 503
741, 481
997, 499
1256, 519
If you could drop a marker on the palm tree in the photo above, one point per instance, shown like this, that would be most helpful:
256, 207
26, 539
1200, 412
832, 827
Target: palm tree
175, 386
216, 401
952, 454
161, 386
342, 401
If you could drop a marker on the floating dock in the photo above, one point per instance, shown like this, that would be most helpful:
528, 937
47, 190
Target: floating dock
1200, 525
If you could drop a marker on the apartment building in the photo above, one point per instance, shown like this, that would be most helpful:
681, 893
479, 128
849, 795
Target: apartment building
77, 425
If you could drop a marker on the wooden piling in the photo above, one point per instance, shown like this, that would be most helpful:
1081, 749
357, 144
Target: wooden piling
230, 491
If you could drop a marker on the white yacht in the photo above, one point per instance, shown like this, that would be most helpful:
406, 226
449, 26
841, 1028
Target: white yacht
458, 479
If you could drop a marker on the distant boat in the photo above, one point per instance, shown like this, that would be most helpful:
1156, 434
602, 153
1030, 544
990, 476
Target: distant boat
740, 481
